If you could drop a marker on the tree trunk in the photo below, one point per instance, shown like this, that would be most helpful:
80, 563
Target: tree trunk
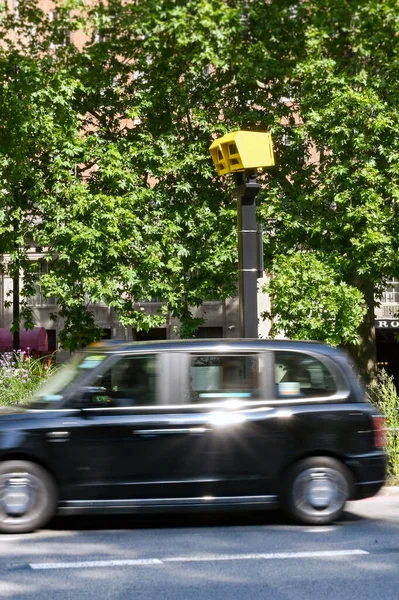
365, 354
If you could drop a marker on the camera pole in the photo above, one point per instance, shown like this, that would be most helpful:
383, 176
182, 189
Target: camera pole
242, 153
248, 263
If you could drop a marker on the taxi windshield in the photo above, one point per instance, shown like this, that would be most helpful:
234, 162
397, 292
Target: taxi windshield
69, 373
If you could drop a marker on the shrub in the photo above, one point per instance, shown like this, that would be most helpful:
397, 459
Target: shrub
386, 397
20, 376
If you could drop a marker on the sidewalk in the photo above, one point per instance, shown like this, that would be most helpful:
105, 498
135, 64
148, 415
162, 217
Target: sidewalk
389, 490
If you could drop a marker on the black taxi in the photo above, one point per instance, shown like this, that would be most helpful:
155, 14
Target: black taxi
192, 425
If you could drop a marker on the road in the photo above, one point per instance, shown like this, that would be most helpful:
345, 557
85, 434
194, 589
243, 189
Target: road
248, 557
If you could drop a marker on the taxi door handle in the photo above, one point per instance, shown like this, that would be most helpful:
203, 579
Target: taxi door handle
170, 431
58, 436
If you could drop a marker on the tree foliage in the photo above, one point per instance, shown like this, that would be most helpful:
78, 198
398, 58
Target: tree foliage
342, 202
110, 169
39, 136
325, 307
114, 169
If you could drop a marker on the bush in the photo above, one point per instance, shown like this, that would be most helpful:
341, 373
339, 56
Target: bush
20, 376
386, 397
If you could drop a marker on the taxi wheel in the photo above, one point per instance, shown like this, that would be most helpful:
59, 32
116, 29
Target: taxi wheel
28, 496
316, 490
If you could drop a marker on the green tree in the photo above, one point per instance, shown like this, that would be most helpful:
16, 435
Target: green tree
325, 307
340, 62
149, 221
136, 210
126, 209
322, 76
39, 139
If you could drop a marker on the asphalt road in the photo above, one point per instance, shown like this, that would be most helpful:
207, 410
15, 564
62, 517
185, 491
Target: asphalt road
243, 556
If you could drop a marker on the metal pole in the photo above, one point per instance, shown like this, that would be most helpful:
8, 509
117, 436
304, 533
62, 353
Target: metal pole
245, 193
16, 341
16, 344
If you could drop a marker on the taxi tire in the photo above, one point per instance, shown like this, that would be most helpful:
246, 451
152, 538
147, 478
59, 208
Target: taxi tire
44, 496
297, 489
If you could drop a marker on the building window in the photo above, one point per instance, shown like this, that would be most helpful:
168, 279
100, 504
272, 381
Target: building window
292, 142
51, 340
61, 34
16, 10
204, 333
102, 26
154, 334
390, 299
391, 292
38, 299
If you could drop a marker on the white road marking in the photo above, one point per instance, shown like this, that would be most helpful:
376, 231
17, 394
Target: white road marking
206, 558
320, 529
271, 556
97, 563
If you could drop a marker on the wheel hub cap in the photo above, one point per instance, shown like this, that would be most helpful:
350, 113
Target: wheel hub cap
17, 496
320, 491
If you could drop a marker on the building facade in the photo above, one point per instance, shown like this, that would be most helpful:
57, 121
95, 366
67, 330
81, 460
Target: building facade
387, 330
220, 318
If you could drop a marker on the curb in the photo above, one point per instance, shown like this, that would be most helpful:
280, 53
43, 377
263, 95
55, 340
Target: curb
389, 490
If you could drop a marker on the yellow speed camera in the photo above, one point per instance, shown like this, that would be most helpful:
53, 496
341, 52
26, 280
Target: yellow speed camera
242, 150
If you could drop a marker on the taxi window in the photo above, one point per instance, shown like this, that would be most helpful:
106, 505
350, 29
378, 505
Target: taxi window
301, 375
223, 377
131, 381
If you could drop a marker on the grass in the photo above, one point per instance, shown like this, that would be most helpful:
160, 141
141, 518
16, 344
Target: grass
20, 376
386, 398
